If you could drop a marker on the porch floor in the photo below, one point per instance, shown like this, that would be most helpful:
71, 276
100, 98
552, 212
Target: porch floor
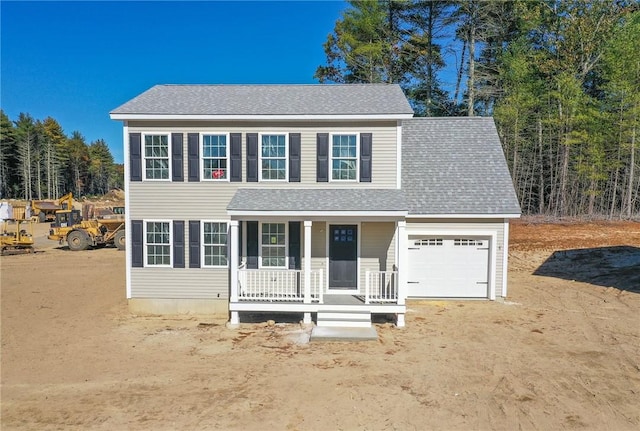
333, 299
324, 333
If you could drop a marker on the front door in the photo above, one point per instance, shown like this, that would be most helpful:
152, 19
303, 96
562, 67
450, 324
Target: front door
343, 256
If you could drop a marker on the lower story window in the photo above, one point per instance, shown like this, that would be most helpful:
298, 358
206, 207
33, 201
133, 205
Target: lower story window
215, 243
158, 243
273, 245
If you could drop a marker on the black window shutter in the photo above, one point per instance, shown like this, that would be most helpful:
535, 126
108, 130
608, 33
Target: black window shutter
294, 245
135, 156
322, 169
252, 244
236, 157
194, 244
178, 244
252, 157
177, 170
193, 144
294, 157
137, 246
365, 157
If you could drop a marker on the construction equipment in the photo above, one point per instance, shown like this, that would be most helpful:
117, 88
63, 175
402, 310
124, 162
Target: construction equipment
80, 234
16, 235
46, 210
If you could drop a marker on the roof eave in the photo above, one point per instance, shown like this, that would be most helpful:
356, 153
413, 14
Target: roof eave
464, 215
299, 117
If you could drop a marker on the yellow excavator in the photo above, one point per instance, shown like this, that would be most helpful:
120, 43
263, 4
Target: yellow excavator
80, 234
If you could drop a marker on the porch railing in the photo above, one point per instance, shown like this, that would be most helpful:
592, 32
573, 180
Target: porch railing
381, 286
282, 285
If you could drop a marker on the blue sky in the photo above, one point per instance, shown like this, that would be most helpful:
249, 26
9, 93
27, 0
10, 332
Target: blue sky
76, 61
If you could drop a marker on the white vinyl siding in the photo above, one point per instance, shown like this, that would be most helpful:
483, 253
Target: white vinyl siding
378, 244
208, 200
384, 157
156, 155
171, 283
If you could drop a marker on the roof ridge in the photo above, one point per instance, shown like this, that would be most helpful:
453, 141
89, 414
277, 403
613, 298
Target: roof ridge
381, 84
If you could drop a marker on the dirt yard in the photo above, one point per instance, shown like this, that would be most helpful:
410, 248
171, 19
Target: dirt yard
563, 352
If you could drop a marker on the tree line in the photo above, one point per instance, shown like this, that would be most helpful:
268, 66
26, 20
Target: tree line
38, 161
560, 77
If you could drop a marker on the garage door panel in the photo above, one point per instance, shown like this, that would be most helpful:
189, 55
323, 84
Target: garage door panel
449, 267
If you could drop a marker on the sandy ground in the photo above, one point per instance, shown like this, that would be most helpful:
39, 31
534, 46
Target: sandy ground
563, 352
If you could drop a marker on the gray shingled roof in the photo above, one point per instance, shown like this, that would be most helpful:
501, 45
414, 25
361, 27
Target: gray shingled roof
352, 99
455, 166
318, 200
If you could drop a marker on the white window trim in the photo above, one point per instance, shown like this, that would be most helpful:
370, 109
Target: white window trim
144, 157
202, 244
357, 178
145, 243
286, 245
286, 156
202, 158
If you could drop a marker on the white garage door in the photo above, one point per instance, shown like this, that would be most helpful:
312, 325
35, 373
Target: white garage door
448, 267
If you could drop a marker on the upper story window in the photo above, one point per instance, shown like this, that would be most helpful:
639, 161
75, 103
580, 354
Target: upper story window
215, 157
344, 157
157, 243
214, 243
273, 245
156, 157
273, 157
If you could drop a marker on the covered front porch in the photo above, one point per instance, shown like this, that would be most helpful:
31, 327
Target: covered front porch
342, 266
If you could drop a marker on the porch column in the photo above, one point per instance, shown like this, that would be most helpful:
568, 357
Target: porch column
403, 261
233, 265
307, 267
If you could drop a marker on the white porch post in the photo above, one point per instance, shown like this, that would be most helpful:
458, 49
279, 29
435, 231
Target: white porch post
403, 268
307, 267
233, 264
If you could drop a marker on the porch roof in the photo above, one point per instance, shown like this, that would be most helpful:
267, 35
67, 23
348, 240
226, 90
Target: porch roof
317, 202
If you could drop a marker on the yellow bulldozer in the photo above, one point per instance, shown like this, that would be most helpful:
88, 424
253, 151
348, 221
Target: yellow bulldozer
80, 234
16, 235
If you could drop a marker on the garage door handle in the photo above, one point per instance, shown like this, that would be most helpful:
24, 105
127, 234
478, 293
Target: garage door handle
482, 282
482, 248
413, 282
414, 248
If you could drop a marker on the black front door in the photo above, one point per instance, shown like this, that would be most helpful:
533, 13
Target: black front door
343, 256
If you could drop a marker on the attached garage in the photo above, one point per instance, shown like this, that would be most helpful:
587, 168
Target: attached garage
449, 266
460, 198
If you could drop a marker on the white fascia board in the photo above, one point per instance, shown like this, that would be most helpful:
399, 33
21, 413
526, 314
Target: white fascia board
259, 117
316, 214
460, 216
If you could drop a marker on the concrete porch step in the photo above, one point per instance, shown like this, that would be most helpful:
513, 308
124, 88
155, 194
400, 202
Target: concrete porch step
324, 333
344, 319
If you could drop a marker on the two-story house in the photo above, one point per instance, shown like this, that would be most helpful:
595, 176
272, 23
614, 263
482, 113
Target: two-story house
323, 199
